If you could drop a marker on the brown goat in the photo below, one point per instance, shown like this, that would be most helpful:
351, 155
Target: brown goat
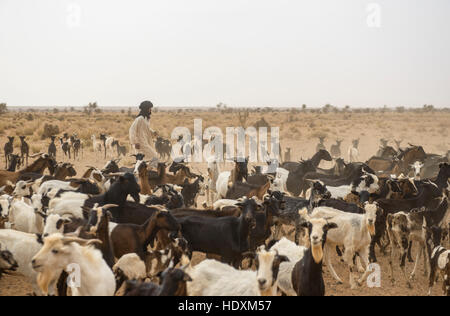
64, 170
130, 238
162, 177
146, 188
8, 178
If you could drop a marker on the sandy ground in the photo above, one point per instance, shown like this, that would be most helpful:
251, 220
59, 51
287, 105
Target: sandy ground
298, 131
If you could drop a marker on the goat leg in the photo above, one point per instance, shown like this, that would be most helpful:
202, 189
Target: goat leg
410, 259
327, 256
419, 254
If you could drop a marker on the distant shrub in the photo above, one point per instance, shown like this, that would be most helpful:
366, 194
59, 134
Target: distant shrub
35, 149
49, 130
28, 131
29, 117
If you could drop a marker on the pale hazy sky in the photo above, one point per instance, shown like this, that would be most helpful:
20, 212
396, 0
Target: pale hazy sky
240, 52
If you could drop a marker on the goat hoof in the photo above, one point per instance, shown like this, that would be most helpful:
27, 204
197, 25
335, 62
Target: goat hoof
408, 284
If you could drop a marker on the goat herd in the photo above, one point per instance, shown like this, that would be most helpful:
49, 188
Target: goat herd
133, 230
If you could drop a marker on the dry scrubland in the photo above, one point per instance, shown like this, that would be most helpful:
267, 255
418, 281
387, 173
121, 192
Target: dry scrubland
298, 130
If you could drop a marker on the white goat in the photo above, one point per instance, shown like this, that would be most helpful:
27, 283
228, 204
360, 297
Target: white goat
25, 218
353, 154
353, 233
222, 184
416, 167
54, 224
213, 175
109, 144
213, 278
62, 253
219, 204
22, 189
5, 202
281, 176
57, 185
96, 144
368, 182
23, 246
66, 207
128, 268
295, 254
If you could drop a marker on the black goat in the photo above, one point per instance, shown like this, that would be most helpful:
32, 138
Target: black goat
121, 150
225, 236
289, 215
24, 150
173, 283
65, 147
190, 192
163, 147
14, 162
52, 147
307, 277
8, 149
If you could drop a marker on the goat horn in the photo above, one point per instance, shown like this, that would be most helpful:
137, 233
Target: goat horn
117, 174
108, 206
82, 242
36, 155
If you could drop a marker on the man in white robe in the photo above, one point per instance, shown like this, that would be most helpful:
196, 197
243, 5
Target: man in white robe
141, 135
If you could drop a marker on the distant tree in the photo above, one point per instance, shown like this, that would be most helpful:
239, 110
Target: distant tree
3, 108
91, 107
327, 108
55, 110
303, 107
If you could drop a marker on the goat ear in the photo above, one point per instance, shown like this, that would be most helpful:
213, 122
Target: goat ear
282, 258
110, 217
305, 224
331, 226
86, 210
187, 277
39, 239
249, 254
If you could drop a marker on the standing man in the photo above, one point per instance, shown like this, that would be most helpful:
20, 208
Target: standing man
141, 134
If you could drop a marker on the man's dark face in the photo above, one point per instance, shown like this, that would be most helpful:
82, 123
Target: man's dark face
147, 111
